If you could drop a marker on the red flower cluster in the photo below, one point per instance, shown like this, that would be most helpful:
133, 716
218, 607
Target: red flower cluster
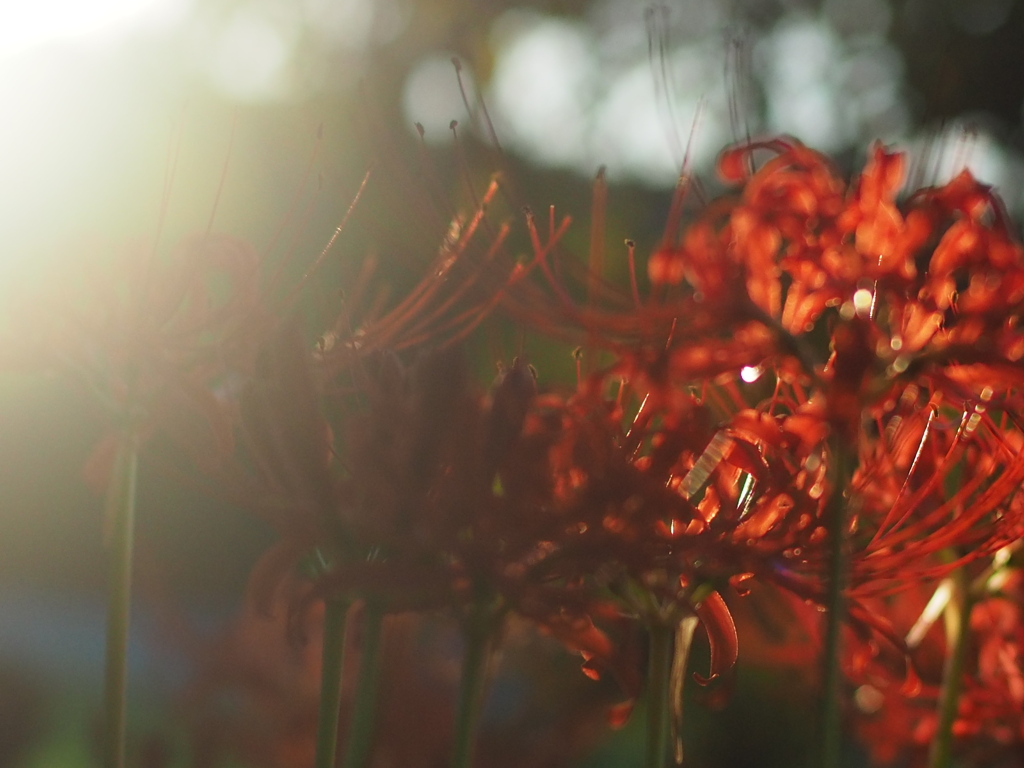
894, 328
804, 340
807, 344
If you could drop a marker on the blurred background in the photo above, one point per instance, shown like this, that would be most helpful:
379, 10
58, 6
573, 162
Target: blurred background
147, 120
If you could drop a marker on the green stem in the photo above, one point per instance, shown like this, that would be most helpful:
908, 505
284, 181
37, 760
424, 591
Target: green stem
360, 732
830, 740
471, 687
958, 620
332, 661
120, 515
659, 672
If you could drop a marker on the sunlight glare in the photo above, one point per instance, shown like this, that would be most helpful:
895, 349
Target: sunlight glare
28, 25
77, 79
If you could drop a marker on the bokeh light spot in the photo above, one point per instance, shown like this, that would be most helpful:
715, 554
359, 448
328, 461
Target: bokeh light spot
431, 96
543, 86
250, 61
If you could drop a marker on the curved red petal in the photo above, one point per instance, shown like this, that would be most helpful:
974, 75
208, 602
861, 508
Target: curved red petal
717, 620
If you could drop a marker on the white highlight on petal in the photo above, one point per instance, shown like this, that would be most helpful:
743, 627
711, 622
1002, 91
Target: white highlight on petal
751, 373
937, 604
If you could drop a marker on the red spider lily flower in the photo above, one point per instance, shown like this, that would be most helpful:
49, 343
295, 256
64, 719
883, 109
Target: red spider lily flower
289, 441
896, 694
629, 525
299, 456
442, 486
152, 338
437, 497
461, 286
805, 313
806, 323
289, 444
923, 307
453, 494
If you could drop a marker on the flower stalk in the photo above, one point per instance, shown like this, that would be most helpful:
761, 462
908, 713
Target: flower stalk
478, 635
957, 615
830, 739
360, 734
332, 662
120, 515
659, 672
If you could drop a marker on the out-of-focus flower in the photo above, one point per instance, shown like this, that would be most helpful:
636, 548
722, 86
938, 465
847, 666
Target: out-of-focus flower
362, 486
896, 696
153, 338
